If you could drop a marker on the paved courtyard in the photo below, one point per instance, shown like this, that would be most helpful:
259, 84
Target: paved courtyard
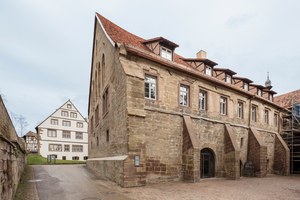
77, 182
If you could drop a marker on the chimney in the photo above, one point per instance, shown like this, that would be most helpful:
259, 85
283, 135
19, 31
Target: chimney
201, 54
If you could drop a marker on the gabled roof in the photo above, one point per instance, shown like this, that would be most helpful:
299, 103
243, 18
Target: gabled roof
30, 134
69, 101
135, 46
287, 100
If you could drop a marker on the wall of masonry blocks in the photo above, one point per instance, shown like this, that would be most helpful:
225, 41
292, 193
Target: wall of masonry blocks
153, 129
12, 156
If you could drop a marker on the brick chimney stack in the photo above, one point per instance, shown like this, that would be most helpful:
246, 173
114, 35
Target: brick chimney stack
201, 54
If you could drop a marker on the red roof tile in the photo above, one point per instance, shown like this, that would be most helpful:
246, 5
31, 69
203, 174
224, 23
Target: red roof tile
119, 35
287, 100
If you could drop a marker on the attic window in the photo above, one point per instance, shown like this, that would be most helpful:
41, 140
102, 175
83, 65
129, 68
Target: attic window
228, 78
259, 92
270, 97
208, 70
166, 53
245, 86
69, 106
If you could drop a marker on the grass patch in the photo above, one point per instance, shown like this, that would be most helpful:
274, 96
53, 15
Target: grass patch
36, 159
25, 190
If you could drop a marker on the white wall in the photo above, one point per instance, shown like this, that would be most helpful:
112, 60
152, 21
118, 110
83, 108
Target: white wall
45, 140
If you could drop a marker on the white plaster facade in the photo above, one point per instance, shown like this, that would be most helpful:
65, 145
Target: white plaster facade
62, 129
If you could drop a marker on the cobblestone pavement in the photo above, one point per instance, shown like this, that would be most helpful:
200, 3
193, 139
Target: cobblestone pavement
271, 187
78, 182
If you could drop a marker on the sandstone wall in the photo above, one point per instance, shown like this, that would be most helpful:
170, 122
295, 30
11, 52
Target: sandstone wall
13, 157
115, 121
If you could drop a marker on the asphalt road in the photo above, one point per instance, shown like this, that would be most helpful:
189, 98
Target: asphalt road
74, 182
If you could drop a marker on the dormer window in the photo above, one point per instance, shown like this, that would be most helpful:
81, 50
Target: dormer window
228, 78
208, 70
245, 86
166, 53
271, 97
259, 92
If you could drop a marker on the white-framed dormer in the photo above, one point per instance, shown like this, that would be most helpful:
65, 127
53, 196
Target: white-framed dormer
162, 47
208, 70
166, 53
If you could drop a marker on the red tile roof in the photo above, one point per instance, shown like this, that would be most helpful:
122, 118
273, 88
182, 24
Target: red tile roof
161, 39
287, 100
228, 71
135, 46
243, 79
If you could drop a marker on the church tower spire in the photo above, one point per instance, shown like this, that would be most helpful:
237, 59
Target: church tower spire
268, 83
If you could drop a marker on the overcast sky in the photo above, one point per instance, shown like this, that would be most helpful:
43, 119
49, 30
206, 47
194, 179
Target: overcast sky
46, 46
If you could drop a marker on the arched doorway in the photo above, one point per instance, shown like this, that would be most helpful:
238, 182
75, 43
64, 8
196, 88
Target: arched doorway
207, 163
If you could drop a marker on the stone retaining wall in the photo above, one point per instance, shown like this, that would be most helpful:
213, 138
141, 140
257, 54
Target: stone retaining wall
13, 157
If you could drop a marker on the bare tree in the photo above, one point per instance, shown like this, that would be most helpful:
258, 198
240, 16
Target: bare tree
22, 124
19, 122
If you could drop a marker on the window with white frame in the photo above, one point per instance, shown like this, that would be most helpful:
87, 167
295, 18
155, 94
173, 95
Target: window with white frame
240, 110
246, 86
74, 115
202, 100
253, 113
54, 147
228, 78
150, 87
166, 53
64, 113
54, 121
223, 106
259, 92
271, 97
51, 133
275, 119
184, 95
208, 70
266, 117
66, 123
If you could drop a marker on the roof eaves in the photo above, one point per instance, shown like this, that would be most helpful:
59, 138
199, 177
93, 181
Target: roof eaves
242, 78
225, 70
205, 60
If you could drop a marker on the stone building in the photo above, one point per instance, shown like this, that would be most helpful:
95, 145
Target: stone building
64, 134
13, 157
31, 142
157, 116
